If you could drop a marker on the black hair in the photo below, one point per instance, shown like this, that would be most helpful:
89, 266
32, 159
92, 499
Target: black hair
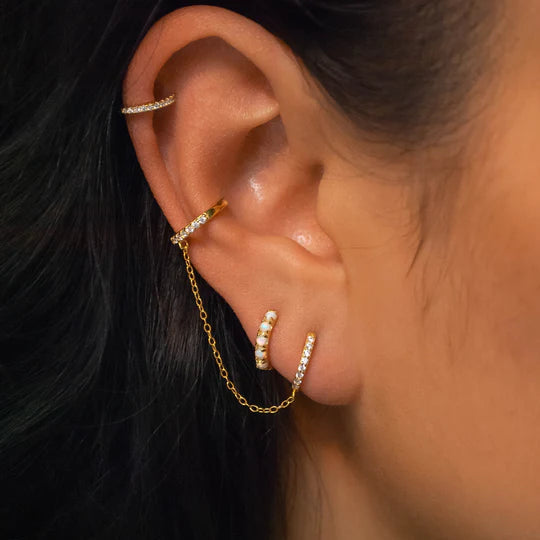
114, 422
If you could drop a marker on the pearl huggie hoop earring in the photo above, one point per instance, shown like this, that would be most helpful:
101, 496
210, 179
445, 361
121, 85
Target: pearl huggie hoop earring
263, 335
262, 359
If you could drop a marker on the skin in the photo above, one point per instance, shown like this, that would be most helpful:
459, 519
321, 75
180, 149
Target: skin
420, 410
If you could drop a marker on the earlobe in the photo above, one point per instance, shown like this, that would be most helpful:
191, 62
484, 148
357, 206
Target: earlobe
241, 127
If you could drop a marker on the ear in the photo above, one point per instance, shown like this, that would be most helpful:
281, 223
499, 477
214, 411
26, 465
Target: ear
246, 126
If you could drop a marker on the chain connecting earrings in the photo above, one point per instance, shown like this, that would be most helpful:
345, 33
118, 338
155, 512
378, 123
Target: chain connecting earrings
262, 360
263, 336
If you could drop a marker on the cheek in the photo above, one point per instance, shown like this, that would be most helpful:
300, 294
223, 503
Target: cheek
452, 423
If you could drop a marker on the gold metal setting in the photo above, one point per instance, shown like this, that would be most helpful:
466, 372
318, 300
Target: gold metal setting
151, 106
262, 357
198, 221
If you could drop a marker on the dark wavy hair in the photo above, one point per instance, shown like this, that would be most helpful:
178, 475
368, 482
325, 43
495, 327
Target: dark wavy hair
114, 422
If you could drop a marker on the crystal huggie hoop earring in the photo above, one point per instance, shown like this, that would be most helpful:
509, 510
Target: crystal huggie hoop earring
179, 238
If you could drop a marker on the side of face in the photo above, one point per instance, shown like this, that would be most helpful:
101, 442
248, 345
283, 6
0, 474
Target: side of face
419, 272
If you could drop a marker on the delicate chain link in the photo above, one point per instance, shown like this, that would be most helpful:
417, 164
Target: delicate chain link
208, 329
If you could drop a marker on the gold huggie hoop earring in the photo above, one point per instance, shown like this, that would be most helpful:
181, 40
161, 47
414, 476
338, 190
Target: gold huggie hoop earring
180, 239
262, 357
150, 106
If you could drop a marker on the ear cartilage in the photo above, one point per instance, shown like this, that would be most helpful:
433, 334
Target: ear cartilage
262, 357
306, 355
150, 106
191, 227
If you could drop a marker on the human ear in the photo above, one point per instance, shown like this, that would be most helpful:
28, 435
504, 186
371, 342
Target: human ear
245, 126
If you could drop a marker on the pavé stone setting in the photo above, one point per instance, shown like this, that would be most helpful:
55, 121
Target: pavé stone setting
304, 361
151, 106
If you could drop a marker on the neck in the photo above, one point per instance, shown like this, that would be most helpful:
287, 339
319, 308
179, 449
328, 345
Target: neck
328, 496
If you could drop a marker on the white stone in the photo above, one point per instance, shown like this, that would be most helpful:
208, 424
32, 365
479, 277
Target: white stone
271, 315
261, 340
260, 354
265, 326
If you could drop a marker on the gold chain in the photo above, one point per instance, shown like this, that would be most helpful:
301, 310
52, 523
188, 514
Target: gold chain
208, 329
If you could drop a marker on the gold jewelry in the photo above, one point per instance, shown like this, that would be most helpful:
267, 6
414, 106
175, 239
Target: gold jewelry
198, 221
308, 345
262, 360
306, 355
150, 106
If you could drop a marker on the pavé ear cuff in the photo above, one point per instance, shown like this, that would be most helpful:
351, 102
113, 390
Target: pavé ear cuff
150, 106
198, 221
270, 317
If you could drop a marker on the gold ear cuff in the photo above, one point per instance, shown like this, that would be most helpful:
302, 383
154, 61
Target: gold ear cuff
150, 106
265, 328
